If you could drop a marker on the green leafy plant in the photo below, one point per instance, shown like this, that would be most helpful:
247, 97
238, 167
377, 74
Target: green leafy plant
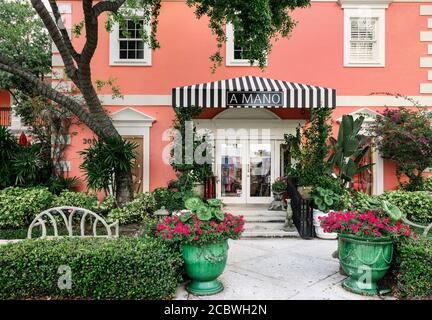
18, 206
124, 268
135, 211
349, 149
427, 186
325, 199
188, 169
103, 159
279, 185
413, 277
416, 206
310, 150
57, 184
405, 137
77, 199
204, 211
170, 199
8, 147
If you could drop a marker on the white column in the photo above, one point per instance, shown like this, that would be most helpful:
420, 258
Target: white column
146, 160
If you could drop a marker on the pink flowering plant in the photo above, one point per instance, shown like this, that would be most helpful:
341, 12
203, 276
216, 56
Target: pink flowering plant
202, 223
369, 224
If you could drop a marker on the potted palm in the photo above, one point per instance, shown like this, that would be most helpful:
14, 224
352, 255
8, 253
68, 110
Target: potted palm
202, 231
365, 246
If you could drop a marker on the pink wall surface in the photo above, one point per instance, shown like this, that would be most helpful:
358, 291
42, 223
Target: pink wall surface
312, 55
160, 173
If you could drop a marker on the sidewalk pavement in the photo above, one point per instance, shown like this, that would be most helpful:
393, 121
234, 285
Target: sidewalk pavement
281, 269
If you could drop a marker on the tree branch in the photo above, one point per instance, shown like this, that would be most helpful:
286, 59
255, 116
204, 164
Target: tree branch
63, 31
53, 30
106, 5
45, 89
91, 25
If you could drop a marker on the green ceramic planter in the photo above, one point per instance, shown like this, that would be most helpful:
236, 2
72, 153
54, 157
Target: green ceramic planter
364, 261
204, 264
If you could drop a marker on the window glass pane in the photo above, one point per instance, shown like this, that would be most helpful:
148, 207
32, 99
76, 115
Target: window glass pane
123, 45
131, 54
140, 54
231, 169
260, 169
123, 54
132, 45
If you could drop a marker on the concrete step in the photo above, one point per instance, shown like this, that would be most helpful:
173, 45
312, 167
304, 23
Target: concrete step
264, 218
258, 226
267, 234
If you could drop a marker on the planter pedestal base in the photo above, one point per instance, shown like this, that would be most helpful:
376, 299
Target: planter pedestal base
359, 288
201, 288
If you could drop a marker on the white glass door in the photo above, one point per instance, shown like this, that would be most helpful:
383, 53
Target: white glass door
260, 173
231, 167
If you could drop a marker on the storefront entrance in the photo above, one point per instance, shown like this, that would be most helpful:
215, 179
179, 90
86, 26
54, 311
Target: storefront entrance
245, 171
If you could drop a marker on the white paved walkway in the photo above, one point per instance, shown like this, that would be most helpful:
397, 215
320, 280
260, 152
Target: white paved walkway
280, 269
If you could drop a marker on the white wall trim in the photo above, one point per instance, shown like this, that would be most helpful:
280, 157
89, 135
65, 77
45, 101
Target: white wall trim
114, 59
341, 101
354, 10
137, 100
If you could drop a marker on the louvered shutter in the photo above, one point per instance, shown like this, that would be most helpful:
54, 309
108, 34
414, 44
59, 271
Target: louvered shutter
363, 39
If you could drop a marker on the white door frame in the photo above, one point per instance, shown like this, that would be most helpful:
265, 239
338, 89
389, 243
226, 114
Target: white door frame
249, 198
131, 122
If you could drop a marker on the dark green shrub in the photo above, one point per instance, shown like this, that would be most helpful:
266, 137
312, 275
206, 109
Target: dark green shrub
8, 148
57, 184
414, 279
124, 268
170, 199
135, 211
18, 206
77, 199
417, 205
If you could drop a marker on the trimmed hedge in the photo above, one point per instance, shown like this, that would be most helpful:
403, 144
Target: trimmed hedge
417, 205
18, 206
138, 210
76, 199
123, 268
414, 279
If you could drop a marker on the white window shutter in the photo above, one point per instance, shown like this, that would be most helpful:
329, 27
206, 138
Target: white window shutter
363, 39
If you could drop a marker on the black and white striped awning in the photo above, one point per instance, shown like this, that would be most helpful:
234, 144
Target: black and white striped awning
253, 92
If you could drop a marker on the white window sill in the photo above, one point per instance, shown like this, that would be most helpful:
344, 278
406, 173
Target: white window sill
364, 65
242, 63
139, 63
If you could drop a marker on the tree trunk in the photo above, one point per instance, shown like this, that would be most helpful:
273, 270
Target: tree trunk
124, 187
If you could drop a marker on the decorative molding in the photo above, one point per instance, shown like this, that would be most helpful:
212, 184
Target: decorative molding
425, 10
425, 87
378, 4
57, 61
137, 100
370, 115
425, 62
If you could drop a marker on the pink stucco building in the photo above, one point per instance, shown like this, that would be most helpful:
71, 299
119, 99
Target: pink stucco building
344, 53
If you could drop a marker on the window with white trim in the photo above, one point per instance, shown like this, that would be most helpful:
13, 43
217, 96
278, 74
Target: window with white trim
127, 46
234, 52
364, 38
